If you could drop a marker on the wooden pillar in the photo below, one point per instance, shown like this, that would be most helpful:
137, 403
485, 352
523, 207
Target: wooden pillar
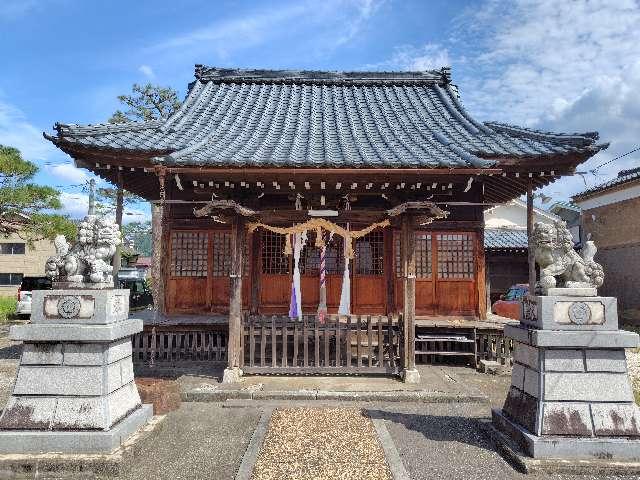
530, 250
159, 249
408, 261
117, 258
256, 270
234, 345
389, 270
481, 276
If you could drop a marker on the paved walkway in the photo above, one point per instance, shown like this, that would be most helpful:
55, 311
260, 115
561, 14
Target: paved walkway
321, 443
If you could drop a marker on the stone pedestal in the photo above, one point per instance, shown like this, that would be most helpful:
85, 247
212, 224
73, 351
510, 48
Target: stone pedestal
570, 394
74, 390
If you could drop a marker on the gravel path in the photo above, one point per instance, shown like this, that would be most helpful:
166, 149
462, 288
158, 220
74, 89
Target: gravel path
633, 364
321, 443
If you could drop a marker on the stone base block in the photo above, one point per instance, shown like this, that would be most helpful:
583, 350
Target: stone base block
564, 312
565, 447
524, 463
231, 375
69, 412
411, 376
493, 368
76, 442
80, 306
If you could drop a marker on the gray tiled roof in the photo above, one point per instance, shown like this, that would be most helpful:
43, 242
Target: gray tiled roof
624, 176
265, 118
505, 239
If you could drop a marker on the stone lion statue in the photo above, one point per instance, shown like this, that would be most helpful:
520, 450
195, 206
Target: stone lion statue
560, 265
89, 259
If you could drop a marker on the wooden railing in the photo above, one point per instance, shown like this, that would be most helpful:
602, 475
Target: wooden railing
493, 345
165, 346
341, 344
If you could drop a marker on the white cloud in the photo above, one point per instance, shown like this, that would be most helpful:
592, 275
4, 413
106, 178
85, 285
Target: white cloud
563, 66
333, 23
16, 131
76, 206
430, 56
147, 71
566, 66
68, 173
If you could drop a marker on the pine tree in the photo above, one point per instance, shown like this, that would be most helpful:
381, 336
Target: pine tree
25, 208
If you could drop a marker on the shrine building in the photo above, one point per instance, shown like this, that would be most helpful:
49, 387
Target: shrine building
310, 221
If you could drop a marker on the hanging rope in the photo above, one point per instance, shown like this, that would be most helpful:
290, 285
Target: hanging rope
318, 224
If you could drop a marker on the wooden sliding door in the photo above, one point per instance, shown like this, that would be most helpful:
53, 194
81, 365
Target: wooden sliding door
275, 274
445, 273
199, 269
425, 283
369, 291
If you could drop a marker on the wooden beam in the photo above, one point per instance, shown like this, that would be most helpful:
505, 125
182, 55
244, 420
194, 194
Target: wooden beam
531, 253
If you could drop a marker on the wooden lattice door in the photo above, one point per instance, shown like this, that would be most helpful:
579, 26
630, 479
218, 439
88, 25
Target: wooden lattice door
369, 290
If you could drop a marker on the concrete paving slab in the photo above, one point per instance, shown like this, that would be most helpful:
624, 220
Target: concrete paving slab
199, 441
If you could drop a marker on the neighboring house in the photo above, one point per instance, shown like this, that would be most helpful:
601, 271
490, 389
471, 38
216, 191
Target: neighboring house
505, 243
570, 213
611, 218
18, 259
143, 264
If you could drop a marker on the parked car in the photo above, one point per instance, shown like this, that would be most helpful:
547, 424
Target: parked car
140, 296
509, 303
28, 285
139, 293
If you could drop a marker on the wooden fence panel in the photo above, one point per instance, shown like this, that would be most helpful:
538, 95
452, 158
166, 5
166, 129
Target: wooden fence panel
327, 347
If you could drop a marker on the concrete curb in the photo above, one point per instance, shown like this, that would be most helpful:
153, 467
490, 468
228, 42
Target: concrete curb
111, 465
410, 396
523, 463
253, 449
390, 452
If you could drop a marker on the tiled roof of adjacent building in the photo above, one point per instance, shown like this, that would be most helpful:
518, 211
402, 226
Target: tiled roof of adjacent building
267, 118
505, 239
624, 176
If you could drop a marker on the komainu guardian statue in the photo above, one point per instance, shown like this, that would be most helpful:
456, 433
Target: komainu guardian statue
88, 261
560, 265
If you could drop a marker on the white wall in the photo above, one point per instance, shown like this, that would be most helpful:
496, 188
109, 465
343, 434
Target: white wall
514, 215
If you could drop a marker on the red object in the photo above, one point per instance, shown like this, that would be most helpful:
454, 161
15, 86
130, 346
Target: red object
19, 288
509, 304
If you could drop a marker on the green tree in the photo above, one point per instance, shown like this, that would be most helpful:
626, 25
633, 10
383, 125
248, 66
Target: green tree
25, 206
138, 234
147, 102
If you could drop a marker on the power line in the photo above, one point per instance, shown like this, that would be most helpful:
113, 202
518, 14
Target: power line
613, 159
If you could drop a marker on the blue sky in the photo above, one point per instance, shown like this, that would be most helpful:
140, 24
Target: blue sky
565, 66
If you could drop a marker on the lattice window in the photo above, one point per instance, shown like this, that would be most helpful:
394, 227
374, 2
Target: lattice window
221, 265
334, 256
274, 261
369, 254
189, 254
423, 255
455, 255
